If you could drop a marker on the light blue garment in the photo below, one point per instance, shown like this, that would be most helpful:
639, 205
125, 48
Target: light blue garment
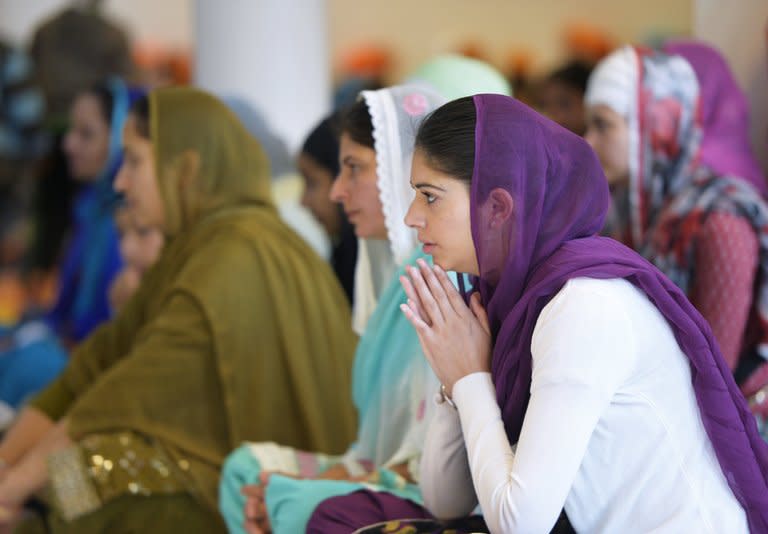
31, 358
290, 502
392, 385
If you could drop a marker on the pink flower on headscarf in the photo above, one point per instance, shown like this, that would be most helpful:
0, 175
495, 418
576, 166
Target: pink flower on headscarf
415, 104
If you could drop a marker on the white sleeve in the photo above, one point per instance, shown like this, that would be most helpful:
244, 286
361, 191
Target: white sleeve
445, 480
583, 349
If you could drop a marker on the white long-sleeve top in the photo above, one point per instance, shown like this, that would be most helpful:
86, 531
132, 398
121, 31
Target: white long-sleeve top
612, 431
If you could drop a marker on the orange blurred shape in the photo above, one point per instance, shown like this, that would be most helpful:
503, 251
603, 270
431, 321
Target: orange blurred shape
13, 299
148, 54
519, 61
474, 49
166, 62
180, 67
366, 60
587, 42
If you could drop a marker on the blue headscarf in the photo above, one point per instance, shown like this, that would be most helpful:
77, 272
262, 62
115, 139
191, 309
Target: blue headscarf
92, 258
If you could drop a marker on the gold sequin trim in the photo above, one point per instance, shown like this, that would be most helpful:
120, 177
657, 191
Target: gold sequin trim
104, 466
72, 490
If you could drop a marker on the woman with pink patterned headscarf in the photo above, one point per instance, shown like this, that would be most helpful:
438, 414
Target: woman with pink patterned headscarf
689, 213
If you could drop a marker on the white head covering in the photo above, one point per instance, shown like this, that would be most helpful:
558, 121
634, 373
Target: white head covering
396, 113
613, 83
618, 82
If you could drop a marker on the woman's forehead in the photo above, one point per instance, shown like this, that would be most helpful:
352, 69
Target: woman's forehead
349, 145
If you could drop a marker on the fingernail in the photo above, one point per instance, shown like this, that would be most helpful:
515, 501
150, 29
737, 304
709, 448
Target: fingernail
421, 263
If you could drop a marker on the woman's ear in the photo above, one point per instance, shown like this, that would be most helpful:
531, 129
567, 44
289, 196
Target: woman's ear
189, 168
501, 205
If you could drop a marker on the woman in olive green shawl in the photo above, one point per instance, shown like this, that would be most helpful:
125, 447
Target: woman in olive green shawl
238, 333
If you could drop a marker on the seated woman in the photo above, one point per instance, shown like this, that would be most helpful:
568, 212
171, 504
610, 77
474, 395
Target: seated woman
391, 380
318, 163
92, 259
560, 95
239, 332
573, 348
708, 232
32, 353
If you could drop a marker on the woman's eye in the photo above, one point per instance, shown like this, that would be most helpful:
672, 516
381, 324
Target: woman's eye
87, 134
430, 198
601, 125
354, 170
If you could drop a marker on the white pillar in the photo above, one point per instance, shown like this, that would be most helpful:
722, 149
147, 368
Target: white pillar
738, 29
273, 53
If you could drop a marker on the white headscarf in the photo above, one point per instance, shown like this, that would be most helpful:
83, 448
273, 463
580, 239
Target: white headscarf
613, 83
396, 113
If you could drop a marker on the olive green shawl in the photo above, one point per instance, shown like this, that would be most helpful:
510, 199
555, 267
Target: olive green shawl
240, 332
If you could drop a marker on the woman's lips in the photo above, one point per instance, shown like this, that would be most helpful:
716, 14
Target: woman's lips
428, 248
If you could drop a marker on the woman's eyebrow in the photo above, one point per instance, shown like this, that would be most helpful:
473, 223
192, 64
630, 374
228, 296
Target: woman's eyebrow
423, 184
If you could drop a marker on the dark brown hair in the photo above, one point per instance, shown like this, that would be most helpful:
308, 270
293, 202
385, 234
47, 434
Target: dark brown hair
356, 122
140, 112
447, 139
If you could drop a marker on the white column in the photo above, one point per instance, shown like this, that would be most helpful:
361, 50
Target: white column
739, 30
273, 53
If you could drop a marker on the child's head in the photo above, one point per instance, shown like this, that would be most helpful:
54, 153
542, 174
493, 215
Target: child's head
140, 246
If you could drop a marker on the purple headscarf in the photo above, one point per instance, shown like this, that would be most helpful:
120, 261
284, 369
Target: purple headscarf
560, 199
725, 146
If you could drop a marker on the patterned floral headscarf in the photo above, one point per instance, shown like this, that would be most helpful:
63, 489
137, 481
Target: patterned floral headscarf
671, 195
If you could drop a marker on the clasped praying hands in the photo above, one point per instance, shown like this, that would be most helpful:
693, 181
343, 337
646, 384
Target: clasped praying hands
456, 338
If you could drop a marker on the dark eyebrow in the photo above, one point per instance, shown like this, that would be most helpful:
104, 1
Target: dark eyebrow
421, 184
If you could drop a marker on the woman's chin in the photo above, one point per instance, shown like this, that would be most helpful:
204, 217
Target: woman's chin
444, 265
369, 233
360, 233
617, 182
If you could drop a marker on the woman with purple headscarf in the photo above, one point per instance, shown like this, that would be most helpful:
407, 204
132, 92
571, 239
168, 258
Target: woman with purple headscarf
577, 376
